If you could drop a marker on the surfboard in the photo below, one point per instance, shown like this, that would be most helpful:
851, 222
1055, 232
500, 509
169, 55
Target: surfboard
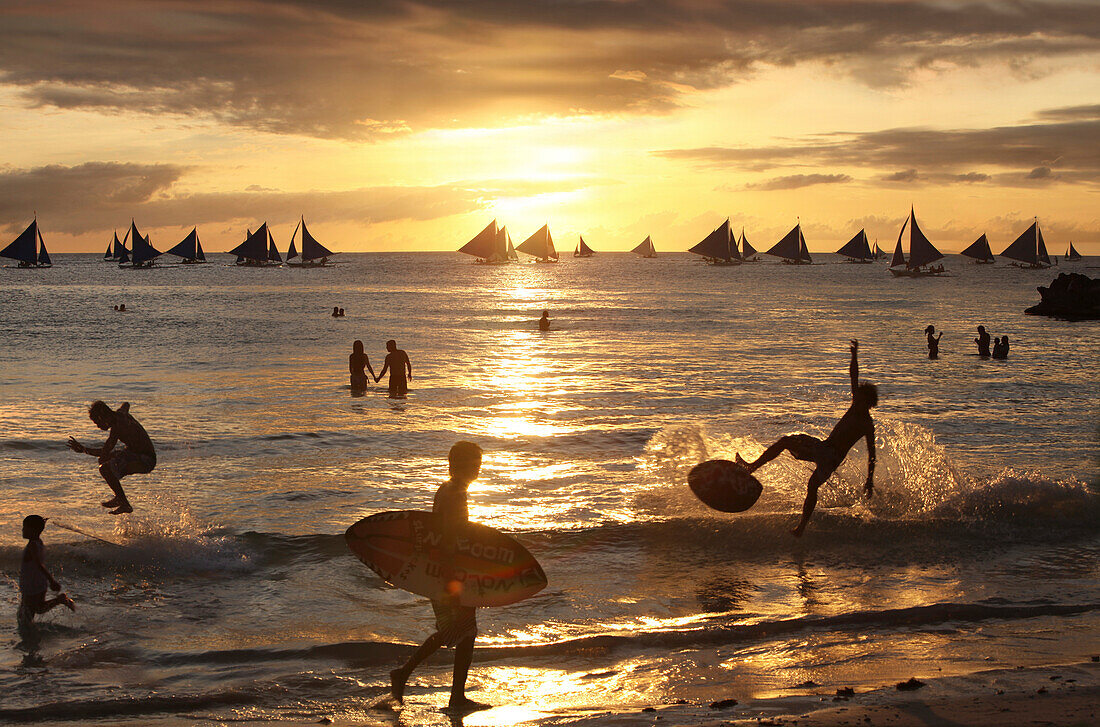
724, 485
406, 549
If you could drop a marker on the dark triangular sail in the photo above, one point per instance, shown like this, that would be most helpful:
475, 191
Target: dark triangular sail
43, 256
292, 252
747, 250
857, 248
107, 255
921, 250
718, 245
120, 247
141, 251
311, 249
1026, 247
583, 250
645, 248
979, 250
502, 246
23, 247
540, 245
792, 246
188, 248
1072, 254
124, 257
198, 250
254, 246
510, 249
484, 244
272, 251
899, 253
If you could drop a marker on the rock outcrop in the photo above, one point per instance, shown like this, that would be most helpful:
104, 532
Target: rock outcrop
1072, 296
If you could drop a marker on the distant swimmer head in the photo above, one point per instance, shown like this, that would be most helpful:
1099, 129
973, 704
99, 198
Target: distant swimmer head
101, 414
357, 347
546, 314
391, 345
867, 394
465, 461
335, 311
33, 525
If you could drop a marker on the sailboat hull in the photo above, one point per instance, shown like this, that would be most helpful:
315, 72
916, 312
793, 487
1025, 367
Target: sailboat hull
917, 273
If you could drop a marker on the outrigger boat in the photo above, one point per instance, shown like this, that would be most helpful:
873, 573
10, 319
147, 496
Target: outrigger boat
258, 250
922, 253
491, 246
1028, 250
583, 250
540, 246
979, 251
792, 248
314, 254
857, 250
28, 248
719, 247
645, 248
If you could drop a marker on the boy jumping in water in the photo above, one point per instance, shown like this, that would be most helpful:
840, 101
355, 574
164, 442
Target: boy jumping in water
136, 457
455, 625
34, 579
827, 455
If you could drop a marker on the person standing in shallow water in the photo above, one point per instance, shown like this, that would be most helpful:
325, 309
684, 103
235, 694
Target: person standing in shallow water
455, 625
137, 456
933, 342
357, 361
856, 424
400, 368
34, 579
544, 322
983, 342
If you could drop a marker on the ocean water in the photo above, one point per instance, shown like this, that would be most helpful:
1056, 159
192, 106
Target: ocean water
229, 594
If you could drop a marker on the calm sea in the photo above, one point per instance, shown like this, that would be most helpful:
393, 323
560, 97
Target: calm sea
229, 593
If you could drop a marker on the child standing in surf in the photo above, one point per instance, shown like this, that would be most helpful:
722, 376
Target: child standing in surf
456, 625
34, 579
856, 424
137, 456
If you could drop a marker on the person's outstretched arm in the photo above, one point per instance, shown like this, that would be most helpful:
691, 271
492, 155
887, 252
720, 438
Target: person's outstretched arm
853, 367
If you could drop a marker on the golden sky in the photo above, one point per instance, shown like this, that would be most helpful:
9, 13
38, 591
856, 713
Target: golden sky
396, 125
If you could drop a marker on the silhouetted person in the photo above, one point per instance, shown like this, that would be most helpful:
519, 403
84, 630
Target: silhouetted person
34, 579
136, 457
983, 342
122, 308
335, 311
455, 625
341, 312
933, 342
357, 361
544, 322
397, 363
116, 307
855, 424
1000, 348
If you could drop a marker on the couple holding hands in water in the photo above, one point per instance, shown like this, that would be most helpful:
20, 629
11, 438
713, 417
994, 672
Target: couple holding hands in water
397, 364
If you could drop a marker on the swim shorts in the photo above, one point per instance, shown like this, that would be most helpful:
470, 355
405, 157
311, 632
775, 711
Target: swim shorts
454, 623
811, 449
125, 462
399, 387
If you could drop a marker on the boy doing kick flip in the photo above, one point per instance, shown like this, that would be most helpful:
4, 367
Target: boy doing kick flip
856, 424
137, 456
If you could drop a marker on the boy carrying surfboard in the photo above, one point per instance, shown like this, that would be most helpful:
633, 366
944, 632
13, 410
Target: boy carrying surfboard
856, 424
456, 625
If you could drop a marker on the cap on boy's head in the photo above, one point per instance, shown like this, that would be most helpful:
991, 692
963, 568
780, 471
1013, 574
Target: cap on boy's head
464, 457
34, 523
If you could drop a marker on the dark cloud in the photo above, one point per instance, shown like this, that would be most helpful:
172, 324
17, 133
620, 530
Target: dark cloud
794, 181
100, 196
345, 69
906, 175
1070, 143
972, 177
1040, 173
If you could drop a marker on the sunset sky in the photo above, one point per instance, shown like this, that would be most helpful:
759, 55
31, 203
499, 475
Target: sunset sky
396, 125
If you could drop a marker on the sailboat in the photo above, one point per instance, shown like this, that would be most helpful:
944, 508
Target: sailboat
1071, 254
314, 254
1028, 250
792, 248
504, 241
489, 247
142, 252
877, 252
256, 249
748, 252
28, 248
719, 247
540, 246
645, 248
583, 250
116, 249
24, 248
980, 251
189, 248
857, 250
922, 253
